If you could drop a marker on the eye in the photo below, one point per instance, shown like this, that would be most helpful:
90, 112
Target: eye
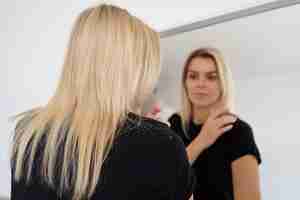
192, 76
212, 77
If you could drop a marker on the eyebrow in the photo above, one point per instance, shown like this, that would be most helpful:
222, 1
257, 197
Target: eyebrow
209, 72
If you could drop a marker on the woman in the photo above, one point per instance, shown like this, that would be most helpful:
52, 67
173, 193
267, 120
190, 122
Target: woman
227, 168
89, 141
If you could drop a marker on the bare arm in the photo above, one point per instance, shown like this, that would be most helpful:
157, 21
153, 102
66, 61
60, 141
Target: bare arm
245, 175
195, 148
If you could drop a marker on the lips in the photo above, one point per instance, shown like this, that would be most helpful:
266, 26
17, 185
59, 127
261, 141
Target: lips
200, 94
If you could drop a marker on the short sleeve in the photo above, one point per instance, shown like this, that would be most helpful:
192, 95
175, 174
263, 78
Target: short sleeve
241, 142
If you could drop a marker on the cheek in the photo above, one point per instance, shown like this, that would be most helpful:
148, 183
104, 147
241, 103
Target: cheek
215, 89
188, 86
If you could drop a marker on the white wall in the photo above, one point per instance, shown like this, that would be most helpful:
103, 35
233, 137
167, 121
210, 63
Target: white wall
271, 105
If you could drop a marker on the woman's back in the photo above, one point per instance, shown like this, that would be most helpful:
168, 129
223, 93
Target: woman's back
83, 144
147, 161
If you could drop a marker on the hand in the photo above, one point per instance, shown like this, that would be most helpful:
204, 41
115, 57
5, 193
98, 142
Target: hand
154, 113
218, 122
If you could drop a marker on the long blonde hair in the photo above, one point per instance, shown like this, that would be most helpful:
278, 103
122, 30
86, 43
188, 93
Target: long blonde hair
112, 63
224, 75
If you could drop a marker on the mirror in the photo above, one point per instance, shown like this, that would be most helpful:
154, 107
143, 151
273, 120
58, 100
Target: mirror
262, 51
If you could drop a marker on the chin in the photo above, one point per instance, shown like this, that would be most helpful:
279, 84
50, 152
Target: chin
203, 104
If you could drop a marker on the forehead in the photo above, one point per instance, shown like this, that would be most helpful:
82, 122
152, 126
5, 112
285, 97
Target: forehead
202, 65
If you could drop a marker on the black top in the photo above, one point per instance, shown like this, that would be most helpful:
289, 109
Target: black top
147, 161
213, 166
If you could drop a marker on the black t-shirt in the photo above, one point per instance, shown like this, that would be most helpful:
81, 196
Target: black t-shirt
213, 166
148, 161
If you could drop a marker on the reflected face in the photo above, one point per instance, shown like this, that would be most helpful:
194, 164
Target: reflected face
202, 82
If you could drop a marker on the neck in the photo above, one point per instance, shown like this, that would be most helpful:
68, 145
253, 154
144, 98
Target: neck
200, 115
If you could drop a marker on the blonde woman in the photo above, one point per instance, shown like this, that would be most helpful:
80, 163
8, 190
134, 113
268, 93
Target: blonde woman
220, 146
89, 141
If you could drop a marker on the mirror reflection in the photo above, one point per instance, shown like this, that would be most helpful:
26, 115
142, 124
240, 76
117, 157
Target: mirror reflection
261, 52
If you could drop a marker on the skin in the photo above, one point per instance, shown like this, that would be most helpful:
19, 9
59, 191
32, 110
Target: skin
202, 86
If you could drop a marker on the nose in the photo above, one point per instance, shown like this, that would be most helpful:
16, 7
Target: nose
201, 82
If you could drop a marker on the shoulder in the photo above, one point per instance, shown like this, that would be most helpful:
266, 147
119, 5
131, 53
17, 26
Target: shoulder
157, 151
148, 131
242, 124
174, 118
240, 141
175, 121
241, 131
151, 143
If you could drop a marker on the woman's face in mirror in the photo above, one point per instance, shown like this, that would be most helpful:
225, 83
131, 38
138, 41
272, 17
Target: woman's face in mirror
202, 82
